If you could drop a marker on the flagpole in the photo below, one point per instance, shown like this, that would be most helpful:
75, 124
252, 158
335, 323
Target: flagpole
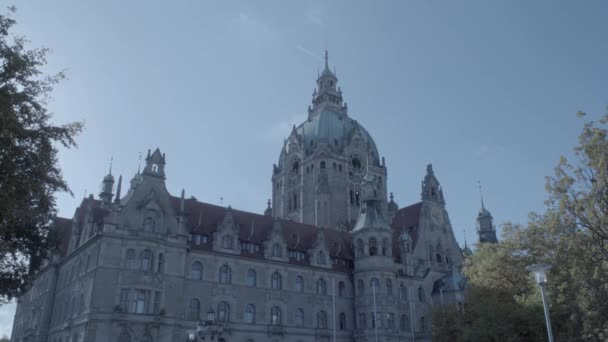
412, 315
333, 286
375, 313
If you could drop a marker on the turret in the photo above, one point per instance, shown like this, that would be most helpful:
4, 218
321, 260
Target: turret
106, 188
485, 225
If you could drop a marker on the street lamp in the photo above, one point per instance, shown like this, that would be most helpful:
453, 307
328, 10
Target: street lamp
540, 273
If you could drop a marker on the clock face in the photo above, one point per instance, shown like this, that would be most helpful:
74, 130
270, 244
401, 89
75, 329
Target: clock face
436, 216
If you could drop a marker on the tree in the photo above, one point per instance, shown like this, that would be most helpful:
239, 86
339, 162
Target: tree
503, 302
29, 170
4, 339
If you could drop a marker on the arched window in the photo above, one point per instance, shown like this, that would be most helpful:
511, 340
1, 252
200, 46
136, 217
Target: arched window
225, 275
227, 242
438, 258
277, 250
373, 246
124, 337
374, 284
299, 318
149, 224
421, 295
322, 319
385, 247
389, 286
146, 260
252, 278
321, 258
405, 323
341, 289
250, 314
342, 321
299, 285
194, 310
132, 260
223, 312
160, 268
359, 247
323, 164
403, 292
146, 338
321, 287
275, 316
275, 281
361, 287
196, 271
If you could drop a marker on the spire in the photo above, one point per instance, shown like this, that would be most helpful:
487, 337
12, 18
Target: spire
181, 202
139, 164
268, 211
118, 187
327, 93
110, 170
326, 59
480, 194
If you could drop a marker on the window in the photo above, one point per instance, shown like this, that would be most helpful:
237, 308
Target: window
421, 296
146, 260
140, 302
385, 247
277, 250
374, 284
390, 320
250, 314
422, 324
362, 321
299, 286
361, 287
227, 242
197, 239
275, 316
149, 224
275, 281
322, 320
356, 163
124, 337
373, 246
161, 263
438, 258
341, 289
321, 258
342, 320
81, 304
359, 247
225, 275
196, 271
194, 310
402, 292
373, 320
124, 300
389, 287
156, 302
299, 319
131, 260
405, 323
223, 312
321, 287
323, 164
146, 338
251, 278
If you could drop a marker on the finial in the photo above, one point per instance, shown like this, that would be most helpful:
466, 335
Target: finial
391, 197
111, 160
268, 203
181, 201
326, 59
221, 201
480, 193
85, 193
464, 232
118, 188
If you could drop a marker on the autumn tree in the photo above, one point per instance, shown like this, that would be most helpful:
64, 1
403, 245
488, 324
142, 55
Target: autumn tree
29, 171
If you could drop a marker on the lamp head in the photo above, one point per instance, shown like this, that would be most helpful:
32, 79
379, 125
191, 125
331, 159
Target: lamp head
540, 272
191, 336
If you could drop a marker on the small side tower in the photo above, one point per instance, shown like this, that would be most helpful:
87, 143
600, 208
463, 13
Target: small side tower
374, 271
106, 188
485, 225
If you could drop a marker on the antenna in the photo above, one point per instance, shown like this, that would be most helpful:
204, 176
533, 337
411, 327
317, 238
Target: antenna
139, 163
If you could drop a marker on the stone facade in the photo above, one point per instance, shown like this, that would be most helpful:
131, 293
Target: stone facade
332, 256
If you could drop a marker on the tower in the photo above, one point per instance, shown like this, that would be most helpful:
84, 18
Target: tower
106, 188
485, 225
374, 273
322, 163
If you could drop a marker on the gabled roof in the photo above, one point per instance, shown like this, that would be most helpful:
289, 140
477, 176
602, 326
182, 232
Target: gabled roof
406, 220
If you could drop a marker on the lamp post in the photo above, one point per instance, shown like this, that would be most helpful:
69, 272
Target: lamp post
540, 273
209, 330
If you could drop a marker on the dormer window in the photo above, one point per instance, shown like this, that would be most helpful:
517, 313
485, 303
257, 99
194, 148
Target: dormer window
323, 164
154, 168
373, 246
295, 168
148, 224
321, 258
277, 251
227, 242
356, 163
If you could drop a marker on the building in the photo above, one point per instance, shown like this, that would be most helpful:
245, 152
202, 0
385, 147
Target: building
333, 255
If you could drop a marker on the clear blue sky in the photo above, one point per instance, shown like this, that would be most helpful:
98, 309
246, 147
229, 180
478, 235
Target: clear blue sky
485, 90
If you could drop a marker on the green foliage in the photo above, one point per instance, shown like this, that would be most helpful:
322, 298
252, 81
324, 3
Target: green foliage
504, 303
29, 171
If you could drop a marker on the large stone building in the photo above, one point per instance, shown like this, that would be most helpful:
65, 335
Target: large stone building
333, 256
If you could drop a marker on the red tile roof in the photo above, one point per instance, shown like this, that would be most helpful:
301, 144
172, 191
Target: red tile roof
406, 220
